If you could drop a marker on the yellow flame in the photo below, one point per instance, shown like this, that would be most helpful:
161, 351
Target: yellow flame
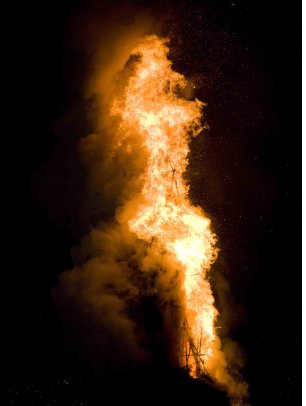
152, 109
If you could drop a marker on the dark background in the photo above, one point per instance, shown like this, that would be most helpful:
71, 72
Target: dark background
245, 172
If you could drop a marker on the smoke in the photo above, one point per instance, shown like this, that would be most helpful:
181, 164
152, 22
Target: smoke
120, 304
106, 300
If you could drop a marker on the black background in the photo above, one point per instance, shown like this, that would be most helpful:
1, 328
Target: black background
246, 174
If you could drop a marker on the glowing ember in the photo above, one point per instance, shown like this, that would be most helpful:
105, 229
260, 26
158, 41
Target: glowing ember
153, 110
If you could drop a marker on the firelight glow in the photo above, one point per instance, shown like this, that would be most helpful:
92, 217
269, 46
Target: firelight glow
153, 110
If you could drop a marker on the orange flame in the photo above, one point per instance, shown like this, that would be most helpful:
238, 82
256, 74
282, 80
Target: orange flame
152, 110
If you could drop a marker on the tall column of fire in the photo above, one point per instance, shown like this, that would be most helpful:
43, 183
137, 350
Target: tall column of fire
153, 110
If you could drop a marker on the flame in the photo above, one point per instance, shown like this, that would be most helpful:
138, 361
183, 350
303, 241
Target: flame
152, 111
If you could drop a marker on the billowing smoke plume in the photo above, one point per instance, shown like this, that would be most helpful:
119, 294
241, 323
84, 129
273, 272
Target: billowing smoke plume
122, 302
109, 300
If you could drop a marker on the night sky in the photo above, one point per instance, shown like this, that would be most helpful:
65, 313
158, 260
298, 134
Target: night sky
245, 172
